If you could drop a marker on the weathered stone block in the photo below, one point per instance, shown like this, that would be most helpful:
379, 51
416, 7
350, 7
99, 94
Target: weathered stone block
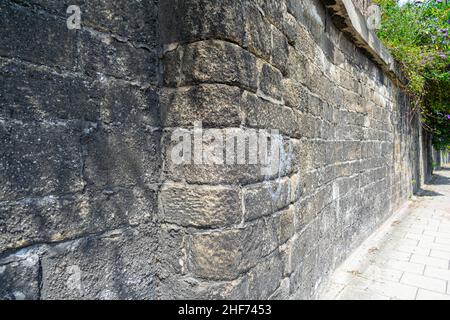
258, 32
60, 218
202, 19
346, 185
312, 14
305, 153
259, 240
303, 280
119, 157
224, 255
327, 46
302, 247
219, 62
298, 66
105, 54
327, 231
209, 172
303, 214
39, 159
274, 10
171, 64
172, 252
270, 82
266, 198
19, 276
295, 95
351, 150
186, 287
287, 227
124, 104
296, 187
118, 265
283, 291
131, 19
290, 28
285, 256
317, 82
280, 51
216, 255
25, 35
265, 278
266, 115
309, 126
31, 94
315, 106
213, 105
304, 43
200, 206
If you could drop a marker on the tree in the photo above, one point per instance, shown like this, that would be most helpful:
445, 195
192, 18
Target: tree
418, 36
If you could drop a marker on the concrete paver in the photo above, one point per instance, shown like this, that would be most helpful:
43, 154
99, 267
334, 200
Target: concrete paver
430, 295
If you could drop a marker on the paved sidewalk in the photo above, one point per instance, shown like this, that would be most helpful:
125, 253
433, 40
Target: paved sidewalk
407, 258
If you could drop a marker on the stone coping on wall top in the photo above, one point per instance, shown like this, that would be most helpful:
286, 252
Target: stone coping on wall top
352, 22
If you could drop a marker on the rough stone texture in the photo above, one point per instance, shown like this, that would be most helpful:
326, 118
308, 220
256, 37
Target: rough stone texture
80, 155
351, 144
25, 36
93, 206
182, 107
200, 207
117, 265
19, 276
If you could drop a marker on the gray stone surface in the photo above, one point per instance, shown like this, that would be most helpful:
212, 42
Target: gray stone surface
201, 207
118, 265
39, 159
131, 19
121, 156
215, 61
215, 105
92, 204
266, 198
19, 276
25, 36
106, 55
80, 150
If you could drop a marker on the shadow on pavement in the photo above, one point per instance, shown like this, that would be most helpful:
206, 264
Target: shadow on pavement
428, 193
437, 180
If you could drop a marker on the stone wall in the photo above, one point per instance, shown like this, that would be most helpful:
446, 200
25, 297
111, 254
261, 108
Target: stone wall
80, 148
93, 205
351, 140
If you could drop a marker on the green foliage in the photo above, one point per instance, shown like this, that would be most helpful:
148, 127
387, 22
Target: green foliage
418, 37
